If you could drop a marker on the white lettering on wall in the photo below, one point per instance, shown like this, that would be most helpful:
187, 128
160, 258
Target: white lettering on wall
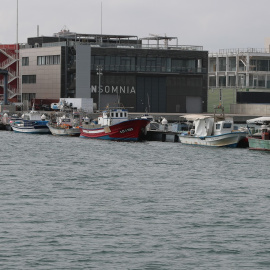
94, 89
114, 89
132, 90
108, 89
122, 89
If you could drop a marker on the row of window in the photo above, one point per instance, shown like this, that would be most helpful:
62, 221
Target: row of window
141, 64
255, 65
225, 125
261, 81
125, 63
116, 114
48, 60
43, 60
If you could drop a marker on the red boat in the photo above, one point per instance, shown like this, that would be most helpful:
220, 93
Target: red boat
114, 125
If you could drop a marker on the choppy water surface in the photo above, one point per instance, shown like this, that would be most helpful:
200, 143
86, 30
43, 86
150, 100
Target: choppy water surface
73, 203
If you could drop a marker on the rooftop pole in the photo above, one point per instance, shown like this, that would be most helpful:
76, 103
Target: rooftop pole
17, 51
101, 19
17, 32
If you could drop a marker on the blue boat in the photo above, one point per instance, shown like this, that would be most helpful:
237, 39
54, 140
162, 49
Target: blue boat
31, 126
31, 122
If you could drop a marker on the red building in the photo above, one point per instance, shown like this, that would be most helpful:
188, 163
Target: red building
9, 60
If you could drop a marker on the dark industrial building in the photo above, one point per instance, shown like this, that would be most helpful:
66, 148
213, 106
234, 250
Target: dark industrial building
147, 74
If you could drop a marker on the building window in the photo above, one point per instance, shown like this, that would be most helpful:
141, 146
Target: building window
261, 80
125, 63
48, 60
222, 64
28, 79
183, 65
151, 64
29, 96
25, 61
262, 65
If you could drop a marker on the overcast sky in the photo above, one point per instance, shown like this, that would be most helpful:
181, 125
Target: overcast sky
213, 24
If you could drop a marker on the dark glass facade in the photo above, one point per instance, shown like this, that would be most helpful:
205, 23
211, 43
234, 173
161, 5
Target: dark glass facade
153, 80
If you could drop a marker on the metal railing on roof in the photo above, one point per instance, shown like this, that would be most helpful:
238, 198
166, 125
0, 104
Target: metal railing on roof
237, 51
121, 46
147, 46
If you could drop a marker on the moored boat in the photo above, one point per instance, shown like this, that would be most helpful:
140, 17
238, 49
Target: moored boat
213, 131
65, 126
115, 125
8, 120
259, 140
31, 126
32, 122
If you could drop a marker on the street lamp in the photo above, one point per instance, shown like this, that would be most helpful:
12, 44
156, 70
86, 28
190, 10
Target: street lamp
99, 73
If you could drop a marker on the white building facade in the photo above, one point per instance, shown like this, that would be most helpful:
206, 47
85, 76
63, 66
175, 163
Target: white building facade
240, 68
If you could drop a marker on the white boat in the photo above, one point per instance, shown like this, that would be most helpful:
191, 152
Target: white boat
8, 120
213, 131
32, 122
65, 126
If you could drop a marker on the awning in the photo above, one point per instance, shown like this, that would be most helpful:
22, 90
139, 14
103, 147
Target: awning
259, 120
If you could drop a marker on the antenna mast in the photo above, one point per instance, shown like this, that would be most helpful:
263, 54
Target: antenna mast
101, 19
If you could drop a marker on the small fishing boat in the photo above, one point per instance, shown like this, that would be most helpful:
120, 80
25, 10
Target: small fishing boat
114, 124
8, 120
213, 131
259, 140
31, 126
32, 122
65, 126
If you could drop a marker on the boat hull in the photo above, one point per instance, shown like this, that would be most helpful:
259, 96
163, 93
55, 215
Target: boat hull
224, 140
31, 130
58, 131
131, 130
32, 127
258, 144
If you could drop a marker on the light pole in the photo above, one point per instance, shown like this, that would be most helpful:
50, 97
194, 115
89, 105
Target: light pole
99, 73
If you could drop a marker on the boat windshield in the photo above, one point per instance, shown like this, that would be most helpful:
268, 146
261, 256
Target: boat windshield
227, 125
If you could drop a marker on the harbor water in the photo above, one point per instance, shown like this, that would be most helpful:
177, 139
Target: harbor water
74, 203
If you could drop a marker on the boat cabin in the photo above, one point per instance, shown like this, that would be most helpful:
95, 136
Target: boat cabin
263, 122
221, 127
34, 116
112, 117
205, 125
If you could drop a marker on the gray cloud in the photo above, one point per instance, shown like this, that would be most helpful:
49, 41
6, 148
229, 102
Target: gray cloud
212, 24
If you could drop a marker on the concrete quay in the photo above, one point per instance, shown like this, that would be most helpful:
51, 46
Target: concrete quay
171, 117
176, 117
